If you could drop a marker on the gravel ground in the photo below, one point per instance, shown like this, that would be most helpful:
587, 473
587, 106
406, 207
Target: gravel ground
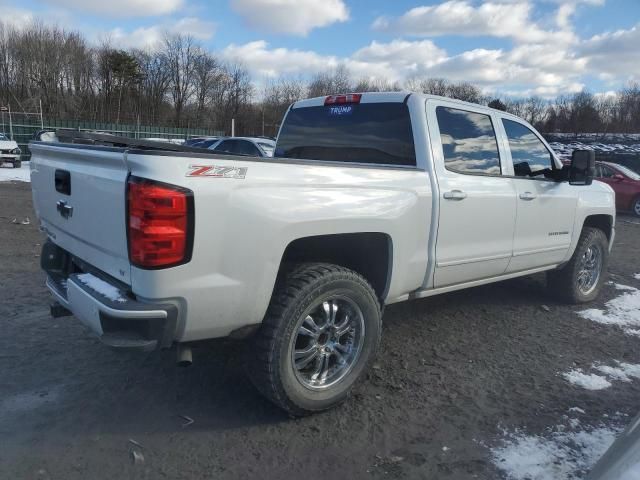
454, 373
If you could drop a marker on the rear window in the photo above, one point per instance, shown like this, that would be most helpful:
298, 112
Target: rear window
378, 133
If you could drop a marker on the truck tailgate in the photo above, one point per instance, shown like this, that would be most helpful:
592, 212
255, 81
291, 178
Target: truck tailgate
79, 196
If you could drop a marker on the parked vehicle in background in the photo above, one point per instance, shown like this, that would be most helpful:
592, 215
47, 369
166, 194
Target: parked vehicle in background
631, 161
205, 143
374, 199
253, 146
175, 141
193, 142
9, 152
624, 182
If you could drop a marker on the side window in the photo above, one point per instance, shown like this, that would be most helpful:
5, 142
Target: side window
247, 148
225, 146
468, 142
598, 171
530, 156
606, 172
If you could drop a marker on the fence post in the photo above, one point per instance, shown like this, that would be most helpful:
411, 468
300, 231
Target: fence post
10, 122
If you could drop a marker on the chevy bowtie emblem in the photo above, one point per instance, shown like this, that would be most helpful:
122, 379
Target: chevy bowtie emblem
64, 209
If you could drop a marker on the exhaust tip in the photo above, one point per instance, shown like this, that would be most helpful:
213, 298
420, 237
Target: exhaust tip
184, 356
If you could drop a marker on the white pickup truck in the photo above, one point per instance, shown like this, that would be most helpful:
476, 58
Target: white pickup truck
371, 199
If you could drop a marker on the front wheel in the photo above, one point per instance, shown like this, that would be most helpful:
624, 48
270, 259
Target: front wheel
581, 279
321, 331
17, 164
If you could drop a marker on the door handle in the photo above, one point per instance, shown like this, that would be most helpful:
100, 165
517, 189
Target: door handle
64, 209
455, 195
528, 196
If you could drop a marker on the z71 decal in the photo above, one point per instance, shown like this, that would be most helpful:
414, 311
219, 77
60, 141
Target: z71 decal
216, 172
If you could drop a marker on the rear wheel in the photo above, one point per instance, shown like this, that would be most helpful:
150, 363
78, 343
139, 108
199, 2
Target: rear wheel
636, 207
321, 331
581, 279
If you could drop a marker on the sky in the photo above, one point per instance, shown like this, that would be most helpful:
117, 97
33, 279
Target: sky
507, 47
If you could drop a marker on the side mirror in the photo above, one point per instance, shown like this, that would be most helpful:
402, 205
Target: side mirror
583, 167
617, 177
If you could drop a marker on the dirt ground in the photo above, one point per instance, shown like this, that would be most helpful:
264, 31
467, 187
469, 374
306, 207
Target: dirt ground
453, 371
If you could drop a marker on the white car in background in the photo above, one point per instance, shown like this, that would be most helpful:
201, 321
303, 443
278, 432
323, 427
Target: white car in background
254, 146
9, 151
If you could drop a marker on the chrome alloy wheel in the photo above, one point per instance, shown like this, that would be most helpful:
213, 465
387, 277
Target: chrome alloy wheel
327, 342
590, 269
636, 207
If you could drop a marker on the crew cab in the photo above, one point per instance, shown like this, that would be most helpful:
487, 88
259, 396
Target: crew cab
370, 199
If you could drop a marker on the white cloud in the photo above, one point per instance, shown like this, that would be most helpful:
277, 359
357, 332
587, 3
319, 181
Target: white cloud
15, 17
535, 69
613, 55
121, 8
150, 37
294, 17
396, 60
263, 61
460, 17
200, 29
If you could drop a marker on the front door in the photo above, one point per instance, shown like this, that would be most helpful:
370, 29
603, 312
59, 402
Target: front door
545, 208
477, 203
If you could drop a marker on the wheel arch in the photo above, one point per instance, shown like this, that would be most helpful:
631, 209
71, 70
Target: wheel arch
368, 253
603, 222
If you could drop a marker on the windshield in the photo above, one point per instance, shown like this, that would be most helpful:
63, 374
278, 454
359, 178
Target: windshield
378, 133
3, 137
629, 173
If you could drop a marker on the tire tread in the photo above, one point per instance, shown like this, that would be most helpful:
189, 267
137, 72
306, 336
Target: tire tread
301, 279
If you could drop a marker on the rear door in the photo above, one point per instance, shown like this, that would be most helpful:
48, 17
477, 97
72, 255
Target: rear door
79, 196
477, 200
545, 208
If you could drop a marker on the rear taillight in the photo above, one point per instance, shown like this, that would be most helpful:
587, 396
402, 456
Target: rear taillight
343, 99
160, 223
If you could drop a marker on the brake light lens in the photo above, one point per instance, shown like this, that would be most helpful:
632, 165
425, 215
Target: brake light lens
160, 223
343, 99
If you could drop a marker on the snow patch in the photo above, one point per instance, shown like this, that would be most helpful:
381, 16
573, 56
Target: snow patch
623, 311
577, 409
623, 372
588, 381
619, 286
10, 174
637, 276
102, 287
563, 455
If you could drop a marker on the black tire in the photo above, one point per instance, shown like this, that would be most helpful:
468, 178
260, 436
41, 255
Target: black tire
635, 207
17, 164
270, 365
564, 282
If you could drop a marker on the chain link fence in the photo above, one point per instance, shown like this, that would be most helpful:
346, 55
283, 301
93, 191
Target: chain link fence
21, 127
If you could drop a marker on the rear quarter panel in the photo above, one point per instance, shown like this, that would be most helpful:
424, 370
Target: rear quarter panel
243, 226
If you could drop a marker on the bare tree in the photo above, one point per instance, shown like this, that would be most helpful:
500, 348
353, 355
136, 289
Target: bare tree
206, 72
534, 110
181, 52
337, 81
377, 85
